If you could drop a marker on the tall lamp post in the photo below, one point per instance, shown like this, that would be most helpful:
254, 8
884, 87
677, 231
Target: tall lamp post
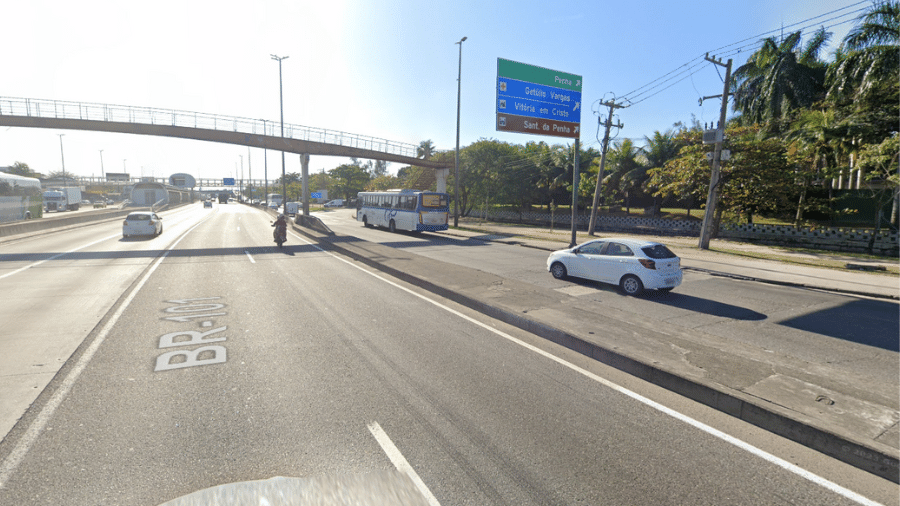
281, 95
456, 174
102, 175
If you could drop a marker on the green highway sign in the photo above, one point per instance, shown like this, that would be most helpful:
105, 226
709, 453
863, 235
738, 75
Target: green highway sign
538, 75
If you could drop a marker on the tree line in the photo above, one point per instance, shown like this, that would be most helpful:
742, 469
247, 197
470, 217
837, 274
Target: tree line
799, 123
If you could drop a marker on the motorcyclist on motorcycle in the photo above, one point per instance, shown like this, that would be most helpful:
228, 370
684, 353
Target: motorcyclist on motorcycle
280, 233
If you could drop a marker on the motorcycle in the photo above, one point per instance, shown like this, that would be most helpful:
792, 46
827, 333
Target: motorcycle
280, 233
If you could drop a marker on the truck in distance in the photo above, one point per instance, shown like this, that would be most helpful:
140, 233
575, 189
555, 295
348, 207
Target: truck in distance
62, 199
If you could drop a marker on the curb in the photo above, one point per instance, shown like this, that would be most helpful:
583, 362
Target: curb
877, 461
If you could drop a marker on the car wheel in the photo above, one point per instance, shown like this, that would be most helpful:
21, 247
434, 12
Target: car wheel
631, 285
392, 227
558, 270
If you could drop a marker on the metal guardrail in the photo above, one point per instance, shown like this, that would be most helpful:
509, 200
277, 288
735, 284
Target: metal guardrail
58, 109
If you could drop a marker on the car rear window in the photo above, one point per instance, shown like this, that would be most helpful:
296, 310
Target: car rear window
658, 252
138, 217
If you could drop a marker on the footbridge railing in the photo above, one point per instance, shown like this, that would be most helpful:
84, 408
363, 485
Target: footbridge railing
58, 109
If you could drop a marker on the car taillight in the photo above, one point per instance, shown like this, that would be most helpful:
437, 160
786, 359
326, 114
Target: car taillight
650, 264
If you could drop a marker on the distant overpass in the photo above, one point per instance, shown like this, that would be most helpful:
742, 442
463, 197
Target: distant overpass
38, 113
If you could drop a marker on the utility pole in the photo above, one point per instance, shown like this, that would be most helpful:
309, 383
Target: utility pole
250, 174
713, 196
605, 147
575, 181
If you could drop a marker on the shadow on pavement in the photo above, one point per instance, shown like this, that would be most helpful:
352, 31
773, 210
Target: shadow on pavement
701, 305
859, 321
681, 301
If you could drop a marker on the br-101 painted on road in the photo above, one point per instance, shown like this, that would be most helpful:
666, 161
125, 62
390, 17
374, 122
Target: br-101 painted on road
188, 310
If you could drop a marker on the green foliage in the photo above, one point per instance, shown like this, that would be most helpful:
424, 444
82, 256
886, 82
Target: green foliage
383, 182
757, 179
780, 78
348, 180
22, 169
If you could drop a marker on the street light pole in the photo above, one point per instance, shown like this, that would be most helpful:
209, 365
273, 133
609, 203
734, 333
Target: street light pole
281, 98
456, 174
102, 175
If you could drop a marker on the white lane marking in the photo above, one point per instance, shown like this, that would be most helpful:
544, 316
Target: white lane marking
54, 257
768, 457
252, 261
12, 461
400, 461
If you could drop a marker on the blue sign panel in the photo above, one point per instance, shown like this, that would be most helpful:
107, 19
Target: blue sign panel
538, 101
315, 195
228, 181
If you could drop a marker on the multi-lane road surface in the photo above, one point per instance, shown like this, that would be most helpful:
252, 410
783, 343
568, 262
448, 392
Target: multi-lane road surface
137, 371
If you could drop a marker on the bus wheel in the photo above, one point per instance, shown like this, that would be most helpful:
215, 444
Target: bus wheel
365, 221
392, 227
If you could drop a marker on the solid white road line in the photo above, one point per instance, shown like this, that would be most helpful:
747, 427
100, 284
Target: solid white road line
400, 462
803, 473
252, 261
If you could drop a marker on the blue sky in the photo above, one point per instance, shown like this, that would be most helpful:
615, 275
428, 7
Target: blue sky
379, 68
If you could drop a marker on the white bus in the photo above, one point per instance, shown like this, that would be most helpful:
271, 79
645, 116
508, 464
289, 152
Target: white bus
411, 210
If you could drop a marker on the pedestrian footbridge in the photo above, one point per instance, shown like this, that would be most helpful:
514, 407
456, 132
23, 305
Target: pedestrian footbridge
258, 133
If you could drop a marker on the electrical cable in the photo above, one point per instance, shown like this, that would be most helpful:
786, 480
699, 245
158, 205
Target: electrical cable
688, 69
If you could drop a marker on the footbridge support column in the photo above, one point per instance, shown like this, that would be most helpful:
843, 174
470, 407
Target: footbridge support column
441, 176
304, 165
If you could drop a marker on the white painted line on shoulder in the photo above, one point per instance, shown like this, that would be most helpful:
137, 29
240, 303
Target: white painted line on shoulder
799, 471
400, 461
12, 461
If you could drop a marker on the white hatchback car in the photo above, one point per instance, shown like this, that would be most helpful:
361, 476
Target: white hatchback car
142, 223
633, 265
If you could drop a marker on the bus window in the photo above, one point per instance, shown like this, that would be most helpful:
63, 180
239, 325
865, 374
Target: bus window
434, 200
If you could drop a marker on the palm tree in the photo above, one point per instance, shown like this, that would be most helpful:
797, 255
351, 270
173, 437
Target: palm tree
780, 78
819, 143
660, 148
624, 159
868, 55
425, 150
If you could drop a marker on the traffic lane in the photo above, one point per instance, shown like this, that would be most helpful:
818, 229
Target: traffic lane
810, 325
56, 289
479, 417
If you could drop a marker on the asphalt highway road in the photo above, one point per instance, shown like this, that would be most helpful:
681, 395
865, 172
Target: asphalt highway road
854, 335
207, 356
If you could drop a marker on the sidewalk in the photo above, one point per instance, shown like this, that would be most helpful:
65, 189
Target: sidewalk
776, 392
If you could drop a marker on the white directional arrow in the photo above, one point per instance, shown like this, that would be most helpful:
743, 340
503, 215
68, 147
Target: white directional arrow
576, 106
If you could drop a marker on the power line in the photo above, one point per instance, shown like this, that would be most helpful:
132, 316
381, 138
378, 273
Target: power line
693, 66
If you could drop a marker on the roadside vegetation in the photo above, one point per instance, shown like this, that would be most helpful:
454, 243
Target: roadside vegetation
804, 129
